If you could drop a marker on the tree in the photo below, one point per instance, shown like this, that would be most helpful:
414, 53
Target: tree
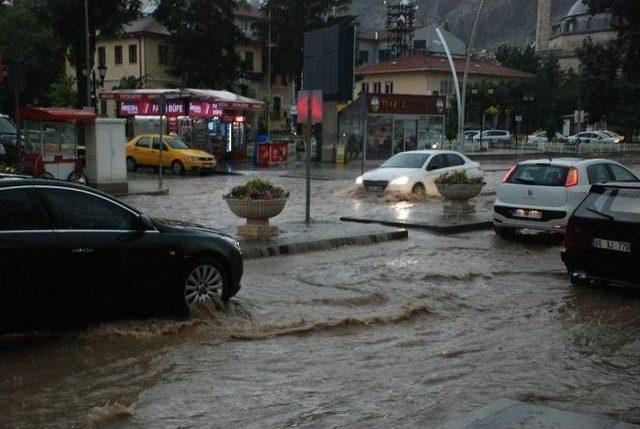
67, 18
32, 60
615, 67
203, 41
514, 56
131, 82
62, 92
290, 19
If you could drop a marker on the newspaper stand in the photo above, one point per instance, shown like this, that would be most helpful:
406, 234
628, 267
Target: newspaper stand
51, 146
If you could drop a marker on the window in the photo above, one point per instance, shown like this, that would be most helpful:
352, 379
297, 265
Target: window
117, 54
103, 107
454, 160
621, 174
276, 108
364, 87
377, 88
18, 212
598, 173
248, 61
406, 160
420, 45
622, 204
540, 175
446, 87
102, 56
143, 143
156, 145
437, 162
83, 211
163, 54
363, 57
133, 54
388, 87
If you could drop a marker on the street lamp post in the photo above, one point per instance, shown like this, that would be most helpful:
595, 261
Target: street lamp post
527, 99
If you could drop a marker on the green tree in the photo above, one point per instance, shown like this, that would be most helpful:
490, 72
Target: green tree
131, 82
290, 19
610, 74
203, 41
519, 58
62, 93
67, 18
33, 61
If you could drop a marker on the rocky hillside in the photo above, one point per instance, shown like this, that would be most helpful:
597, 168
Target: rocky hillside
512, 21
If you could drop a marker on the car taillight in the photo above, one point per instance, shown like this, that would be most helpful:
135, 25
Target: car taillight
572, 178
574, 238
509, 174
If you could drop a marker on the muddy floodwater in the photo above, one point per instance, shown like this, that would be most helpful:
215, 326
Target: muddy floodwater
412, 333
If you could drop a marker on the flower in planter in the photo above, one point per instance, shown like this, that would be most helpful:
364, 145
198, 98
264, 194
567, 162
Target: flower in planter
256, 189
458, 178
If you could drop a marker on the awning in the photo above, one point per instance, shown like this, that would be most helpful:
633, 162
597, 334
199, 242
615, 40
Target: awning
226, 99
57, 114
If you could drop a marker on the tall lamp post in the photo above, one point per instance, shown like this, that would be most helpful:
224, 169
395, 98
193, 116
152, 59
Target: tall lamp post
527, 99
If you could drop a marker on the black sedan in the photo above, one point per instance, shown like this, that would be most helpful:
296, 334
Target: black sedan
71, 254
602, 243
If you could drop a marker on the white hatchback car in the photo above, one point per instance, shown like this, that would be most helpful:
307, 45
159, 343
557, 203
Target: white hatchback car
416, 171
542, 194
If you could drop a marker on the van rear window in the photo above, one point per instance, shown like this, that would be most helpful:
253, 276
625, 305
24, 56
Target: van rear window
539, 175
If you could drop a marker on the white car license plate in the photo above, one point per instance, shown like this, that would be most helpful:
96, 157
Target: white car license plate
618, 246
528, 214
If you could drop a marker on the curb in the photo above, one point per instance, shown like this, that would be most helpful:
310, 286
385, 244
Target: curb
449, 229
267, 250
148, 193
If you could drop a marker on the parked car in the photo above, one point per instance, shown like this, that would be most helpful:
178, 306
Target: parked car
143, 150
617, 137
592, 137
494, 137
416, 171
8, 135
602, 243
541, 194
470, 135
72, 254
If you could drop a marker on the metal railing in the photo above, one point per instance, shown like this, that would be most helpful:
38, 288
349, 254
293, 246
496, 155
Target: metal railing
550, 147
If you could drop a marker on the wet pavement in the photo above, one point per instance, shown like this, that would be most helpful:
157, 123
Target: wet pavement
411, 333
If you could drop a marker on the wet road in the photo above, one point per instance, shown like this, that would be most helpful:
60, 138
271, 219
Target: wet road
401, 334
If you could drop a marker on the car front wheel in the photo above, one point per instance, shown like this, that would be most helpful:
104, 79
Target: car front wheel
505, 232
418, 190
178, 168
204, 281
131, 164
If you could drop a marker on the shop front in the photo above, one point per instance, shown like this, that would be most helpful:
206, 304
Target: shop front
389, 124
214, 121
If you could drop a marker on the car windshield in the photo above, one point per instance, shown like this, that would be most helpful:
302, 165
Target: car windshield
539, 175
177, 143
406, 160
614, 204
6, 127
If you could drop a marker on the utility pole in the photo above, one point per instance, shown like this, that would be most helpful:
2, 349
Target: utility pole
88, 62
16, 99
161, 106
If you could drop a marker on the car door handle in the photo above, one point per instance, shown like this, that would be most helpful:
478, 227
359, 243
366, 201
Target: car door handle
82, 250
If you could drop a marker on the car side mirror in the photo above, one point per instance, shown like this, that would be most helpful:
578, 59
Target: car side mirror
432, 167
144, 223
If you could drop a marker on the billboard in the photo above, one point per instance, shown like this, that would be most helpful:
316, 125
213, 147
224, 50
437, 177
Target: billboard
328, 61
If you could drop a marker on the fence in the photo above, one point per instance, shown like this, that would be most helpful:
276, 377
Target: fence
552, 147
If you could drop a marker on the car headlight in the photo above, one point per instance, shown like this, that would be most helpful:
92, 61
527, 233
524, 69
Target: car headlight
400, 181
193, 158
359, 181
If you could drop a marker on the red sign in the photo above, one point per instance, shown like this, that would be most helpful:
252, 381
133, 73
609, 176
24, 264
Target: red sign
273, 153
313, 97
147, 108
204, 109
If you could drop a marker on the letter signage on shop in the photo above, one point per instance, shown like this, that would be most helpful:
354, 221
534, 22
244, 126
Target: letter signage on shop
147, 108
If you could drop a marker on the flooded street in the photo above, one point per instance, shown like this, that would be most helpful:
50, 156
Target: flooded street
411, 333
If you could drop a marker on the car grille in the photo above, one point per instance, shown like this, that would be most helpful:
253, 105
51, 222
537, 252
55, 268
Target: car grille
376, 184
206, 159
547, 215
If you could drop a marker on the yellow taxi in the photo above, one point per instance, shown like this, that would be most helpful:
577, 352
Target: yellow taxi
144, 150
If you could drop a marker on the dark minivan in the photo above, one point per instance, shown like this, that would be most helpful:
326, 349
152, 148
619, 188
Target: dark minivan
602, 242
72, 254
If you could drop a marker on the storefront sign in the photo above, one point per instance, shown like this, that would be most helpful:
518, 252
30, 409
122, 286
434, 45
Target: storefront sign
204, 109
146, 108
398, 104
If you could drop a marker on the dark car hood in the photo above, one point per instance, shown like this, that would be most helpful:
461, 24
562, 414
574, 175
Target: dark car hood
179, 225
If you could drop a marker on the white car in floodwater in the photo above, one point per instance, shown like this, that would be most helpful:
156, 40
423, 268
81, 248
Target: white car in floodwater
416, 171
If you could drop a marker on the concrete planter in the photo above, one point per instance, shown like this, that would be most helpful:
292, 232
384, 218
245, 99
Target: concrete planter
460, 193
257, 213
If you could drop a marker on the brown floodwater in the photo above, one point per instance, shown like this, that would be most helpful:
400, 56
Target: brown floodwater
408, 333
